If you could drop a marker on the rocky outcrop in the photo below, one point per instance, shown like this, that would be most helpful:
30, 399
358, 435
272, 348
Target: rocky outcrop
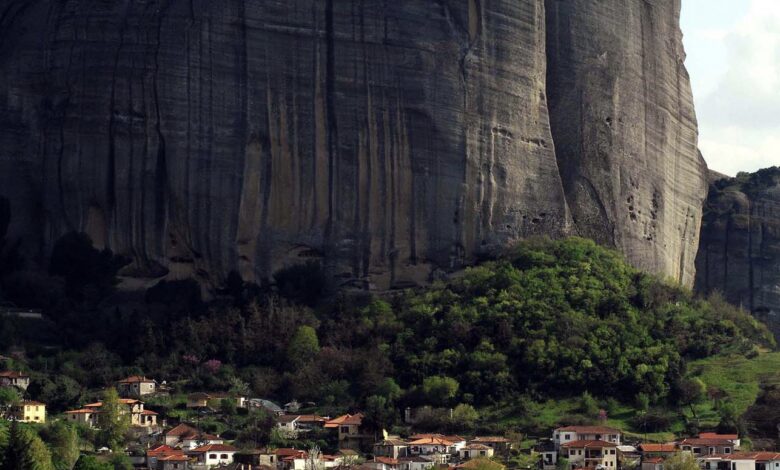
386, 139
625, 130
740, 243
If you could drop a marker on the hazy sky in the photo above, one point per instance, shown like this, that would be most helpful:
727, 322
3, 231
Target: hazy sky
733, 49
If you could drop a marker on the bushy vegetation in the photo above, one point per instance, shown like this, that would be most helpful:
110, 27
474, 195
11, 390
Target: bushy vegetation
551, 319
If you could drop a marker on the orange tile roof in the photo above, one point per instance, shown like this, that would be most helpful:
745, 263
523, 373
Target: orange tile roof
124, 401
81, 411
453, 438
589, 444
432, 441
386, 460
653, 460
355, 420
658, 447
148, 412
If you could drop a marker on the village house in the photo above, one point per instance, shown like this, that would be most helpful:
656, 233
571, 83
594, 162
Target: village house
29, 412
252, 459
741, 461
702, 447
383, 463
415, 462
174, 436
266, 405
138, 415
173, 462
439, 449
154, 454
500, 445
351, 434
291, 459
585, 433
213, 455
12, 378
590, 454
136, 386
198, 400
392, 448
291, 425
458, 442
653, 456
472, 451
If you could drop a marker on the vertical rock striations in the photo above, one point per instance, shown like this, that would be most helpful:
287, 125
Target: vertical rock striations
386, 138
740, 243
625, 130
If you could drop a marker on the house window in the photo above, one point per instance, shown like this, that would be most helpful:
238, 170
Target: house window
223, 456
726, 450
567, 436
345, 429
213, 456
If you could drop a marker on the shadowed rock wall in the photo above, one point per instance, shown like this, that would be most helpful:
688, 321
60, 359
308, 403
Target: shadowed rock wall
740, 243
387, 139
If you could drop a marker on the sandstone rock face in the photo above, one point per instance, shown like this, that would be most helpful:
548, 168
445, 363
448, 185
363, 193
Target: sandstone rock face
740, 243
386, 139
625, 129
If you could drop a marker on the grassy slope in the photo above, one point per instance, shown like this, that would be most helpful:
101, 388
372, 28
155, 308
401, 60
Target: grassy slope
738, 377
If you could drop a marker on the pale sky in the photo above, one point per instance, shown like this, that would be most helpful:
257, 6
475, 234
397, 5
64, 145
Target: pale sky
733, 49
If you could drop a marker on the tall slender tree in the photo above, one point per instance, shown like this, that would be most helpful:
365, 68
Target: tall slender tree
113, 421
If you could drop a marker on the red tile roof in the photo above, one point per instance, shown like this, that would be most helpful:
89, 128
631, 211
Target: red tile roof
181, 430
714, 435
707, 442
288, 452
135, 379
590, 429
589, 444
386, 460
477, 447
658, 447
653, 460
215, 448
163, 450
12, 374
174, 457
760, 456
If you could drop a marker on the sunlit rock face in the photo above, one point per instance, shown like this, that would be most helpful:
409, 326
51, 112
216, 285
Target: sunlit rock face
387, 140
740, 243
625, 130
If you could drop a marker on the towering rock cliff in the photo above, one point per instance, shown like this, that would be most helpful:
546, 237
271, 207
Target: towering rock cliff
740, 243
625, 130
387, 139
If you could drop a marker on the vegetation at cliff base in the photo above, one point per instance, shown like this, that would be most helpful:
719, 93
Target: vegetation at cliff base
566, 320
